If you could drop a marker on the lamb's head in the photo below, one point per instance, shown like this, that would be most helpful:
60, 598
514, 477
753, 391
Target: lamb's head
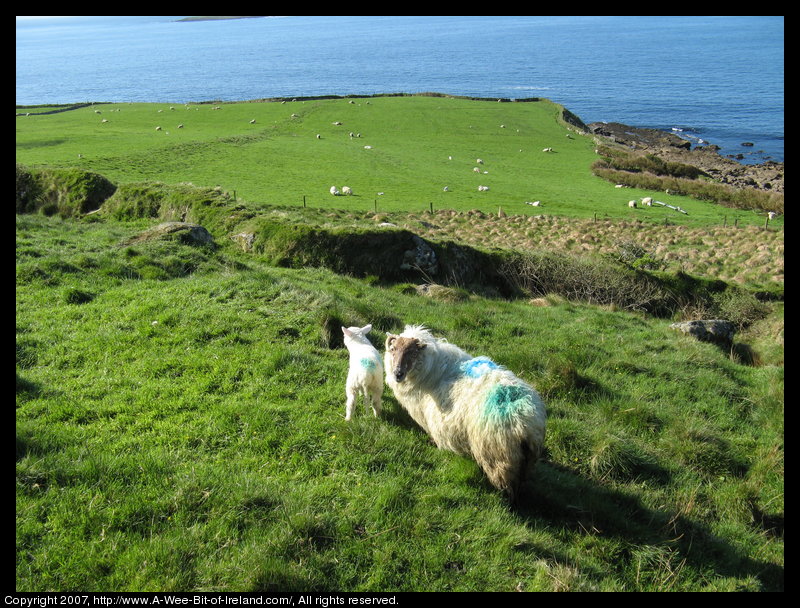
356, 334
404, 352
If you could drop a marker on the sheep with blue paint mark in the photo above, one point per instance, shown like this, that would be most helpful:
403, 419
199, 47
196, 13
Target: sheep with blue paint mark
365, 375
468, 405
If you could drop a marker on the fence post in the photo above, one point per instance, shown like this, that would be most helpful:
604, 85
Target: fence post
304, 201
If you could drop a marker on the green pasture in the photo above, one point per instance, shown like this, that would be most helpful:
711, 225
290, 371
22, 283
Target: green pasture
180, 406
180, 427
418, 146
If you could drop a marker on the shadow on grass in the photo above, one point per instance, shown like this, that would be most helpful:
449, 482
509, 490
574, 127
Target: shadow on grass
558, 497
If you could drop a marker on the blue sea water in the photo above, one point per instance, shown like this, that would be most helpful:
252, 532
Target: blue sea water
715, 78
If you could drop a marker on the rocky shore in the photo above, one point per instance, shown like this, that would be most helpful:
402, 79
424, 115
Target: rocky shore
766, 176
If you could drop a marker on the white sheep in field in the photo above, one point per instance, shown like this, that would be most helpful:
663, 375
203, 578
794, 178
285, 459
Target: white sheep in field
335, 191
365, 375
470, 406
483, 188
632, 204
476, 169
647, 201
347, 190
547, 149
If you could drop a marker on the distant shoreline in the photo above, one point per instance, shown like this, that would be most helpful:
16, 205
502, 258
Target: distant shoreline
217, 18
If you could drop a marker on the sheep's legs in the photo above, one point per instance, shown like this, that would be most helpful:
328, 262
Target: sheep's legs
375, 399
351, 400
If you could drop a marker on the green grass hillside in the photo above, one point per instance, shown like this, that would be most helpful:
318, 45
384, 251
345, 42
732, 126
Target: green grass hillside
180, 405
418, 146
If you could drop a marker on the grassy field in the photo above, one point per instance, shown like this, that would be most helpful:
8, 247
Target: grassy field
180, 408
278, 160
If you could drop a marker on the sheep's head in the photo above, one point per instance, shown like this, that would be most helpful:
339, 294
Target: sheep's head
356, 334
404, 353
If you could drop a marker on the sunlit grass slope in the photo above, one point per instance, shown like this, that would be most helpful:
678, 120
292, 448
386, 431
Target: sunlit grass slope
179, 426
404, 151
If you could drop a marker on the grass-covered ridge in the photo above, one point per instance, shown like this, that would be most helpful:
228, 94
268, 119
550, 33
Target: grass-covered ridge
180, 405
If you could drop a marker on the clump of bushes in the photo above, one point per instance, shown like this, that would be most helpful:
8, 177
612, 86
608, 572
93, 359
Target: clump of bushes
740, 307
627, 161
649, 172
588, 280
635, 256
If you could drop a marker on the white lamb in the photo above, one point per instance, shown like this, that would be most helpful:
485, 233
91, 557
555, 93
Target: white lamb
347, 190
365, 375
470, 406
335, 191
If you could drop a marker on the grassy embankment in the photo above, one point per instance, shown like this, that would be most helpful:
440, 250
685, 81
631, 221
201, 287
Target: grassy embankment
180, 408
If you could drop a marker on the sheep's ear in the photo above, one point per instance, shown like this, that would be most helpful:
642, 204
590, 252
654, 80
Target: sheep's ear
366, 329
421, 345
346, 332
390, 338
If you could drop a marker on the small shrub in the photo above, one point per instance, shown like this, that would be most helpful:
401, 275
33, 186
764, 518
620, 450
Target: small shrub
740, 307
632, 254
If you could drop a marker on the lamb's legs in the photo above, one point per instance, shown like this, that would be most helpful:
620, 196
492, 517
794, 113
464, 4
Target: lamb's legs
351, 400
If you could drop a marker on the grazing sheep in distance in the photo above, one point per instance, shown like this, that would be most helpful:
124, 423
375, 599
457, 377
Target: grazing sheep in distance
479, 161
365, 374
346, 190
771, 215
547, 149
476, 169
470, 406
647, 201
252, 122
483, 188
158, 128
534, 203
335, 191
632, 204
